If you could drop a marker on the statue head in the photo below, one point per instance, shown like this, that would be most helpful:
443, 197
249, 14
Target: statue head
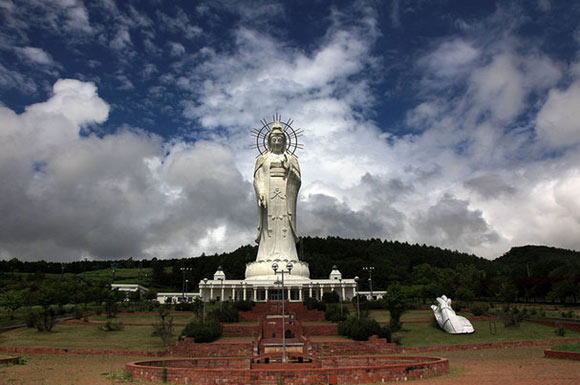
277, 139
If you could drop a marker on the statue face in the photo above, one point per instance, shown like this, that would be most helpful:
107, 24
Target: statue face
277, 143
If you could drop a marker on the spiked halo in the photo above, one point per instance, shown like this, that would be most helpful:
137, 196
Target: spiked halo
291, 134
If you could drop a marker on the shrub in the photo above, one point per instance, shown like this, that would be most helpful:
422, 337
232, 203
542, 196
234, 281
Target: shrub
312, 303
333, 313
478, 310
244, 305
331, 297
228, 313
385, 332
30, 319
512, 318
164, 327
46, 320
533, 312
112, 326
77, 312
359, 330
560, 330
200, 331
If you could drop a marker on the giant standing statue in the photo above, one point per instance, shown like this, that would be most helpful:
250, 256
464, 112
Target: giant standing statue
276, 181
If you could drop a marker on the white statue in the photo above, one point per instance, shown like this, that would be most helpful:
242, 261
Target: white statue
448, 320
276, 181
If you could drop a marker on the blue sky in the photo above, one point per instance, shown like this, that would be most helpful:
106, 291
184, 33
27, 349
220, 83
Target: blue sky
124, 126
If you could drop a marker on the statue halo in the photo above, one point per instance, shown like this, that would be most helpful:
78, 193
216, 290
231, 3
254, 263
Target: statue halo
290, 132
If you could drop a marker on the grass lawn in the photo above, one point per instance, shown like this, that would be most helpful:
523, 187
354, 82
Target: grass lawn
413, 315
86, 337
568, 347
146, 319
423, 334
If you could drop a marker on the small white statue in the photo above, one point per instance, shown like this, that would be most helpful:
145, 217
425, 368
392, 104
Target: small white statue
448, 320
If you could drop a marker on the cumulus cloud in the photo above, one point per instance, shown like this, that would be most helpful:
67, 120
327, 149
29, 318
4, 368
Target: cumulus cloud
558, 122
119, 195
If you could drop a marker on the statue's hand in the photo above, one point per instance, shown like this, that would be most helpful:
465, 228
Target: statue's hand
262, 201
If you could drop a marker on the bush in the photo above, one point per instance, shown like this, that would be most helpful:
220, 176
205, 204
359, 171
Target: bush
77, 312
331, 297
479, 310
45, 320
228, 313
568, 314
312, 303
512, 318
560, 330
333, 313
359, 330
244, 305
30, 319
385, 332
200, 331
112, 326
164, 327
184, 306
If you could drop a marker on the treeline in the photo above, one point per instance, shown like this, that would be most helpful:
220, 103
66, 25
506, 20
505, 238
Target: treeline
529, 273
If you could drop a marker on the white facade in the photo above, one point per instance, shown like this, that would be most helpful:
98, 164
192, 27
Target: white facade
174, 298
270, 288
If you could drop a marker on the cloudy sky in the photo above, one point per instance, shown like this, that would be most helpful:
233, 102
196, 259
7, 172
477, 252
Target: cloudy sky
125, 126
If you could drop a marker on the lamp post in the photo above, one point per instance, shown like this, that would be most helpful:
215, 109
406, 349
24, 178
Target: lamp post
357, 300
183, 271
289, 266
202, 297
370, 270
186, 290
340, 296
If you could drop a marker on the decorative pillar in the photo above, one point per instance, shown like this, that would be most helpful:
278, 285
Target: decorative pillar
342, 291
288, 296
321, 292
267, 294
300, 293
223, 293
255, 293
310, 291
211, 292
244, 289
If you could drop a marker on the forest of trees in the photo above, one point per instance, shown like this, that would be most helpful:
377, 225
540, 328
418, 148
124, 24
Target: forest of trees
524, 274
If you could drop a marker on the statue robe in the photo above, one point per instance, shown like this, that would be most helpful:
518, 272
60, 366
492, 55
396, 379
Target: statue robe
277, 178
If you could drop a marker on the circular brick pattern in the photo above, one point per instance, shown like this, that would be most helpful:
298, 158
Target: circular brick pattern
332, 370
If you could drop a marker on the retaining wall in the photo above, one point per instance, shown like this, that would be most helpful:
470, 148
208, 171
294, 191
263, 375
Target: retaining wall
383, 370
562, 354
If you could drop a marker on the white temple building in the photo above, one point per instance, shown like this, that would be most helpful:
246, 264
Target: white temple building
266, 288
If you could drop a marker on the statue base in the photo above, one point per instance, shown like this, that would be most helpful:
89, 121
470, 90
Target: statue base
262, 270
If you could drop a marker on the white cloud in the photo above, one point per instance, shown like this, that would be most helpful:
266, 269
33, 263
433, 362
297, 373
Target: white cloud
122, 40
119, 195
558, 122
176, 49
35, 55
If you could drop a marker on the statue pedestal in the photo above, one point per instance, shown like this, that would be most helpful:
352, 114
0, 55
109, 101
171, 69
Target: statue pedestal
262, 270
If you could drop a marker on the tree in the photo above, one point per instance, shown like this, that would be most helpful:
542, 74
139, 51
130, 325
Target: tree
396, 302
12, 300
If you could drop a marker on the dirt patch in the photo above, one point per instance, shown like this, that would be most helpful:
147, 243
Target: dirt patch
512, 366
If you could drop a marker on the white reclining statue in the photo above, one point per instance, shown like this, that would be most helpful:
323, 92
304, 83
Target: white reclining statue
448, 320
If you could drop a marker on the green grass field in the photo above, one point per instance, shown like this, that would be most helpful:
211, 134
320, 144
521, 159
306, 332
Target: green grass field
86, 337
568, 347
424, 334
